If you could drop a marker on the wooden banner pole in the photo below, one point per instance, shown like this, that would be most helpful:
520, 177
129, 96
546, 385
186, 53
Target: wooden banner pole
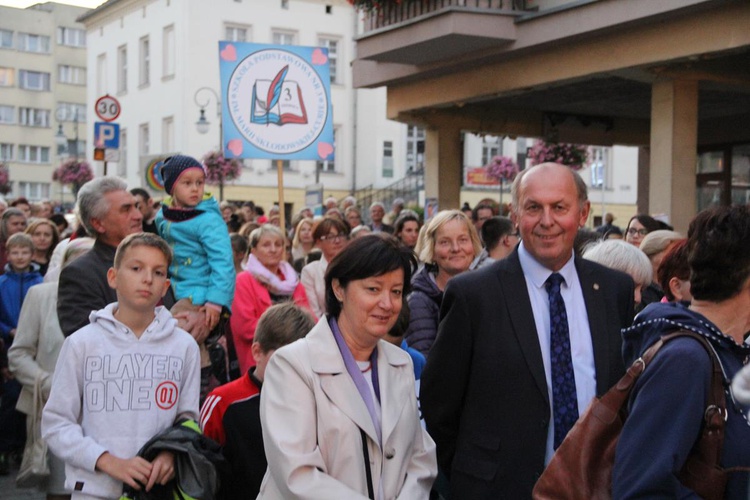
280, 174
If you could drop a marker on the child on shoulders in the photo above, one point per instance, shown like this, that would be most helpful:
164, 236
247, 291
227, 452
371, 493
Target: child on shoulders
190, 221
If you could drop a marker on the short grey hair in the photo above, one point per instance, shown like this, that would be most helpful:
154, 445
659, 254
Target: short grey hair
91, 202
658, 241
581, 188
265, 230
621, 256
377, 204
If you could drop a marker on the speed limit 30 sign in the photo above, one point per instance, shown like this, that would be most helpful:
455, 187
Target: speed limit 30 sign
107, 108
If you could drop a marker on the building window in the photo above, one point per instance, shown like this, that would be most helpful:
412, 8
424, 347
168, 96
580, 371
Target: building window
145, 61
73, 75
167, 134
143, 139
33, 80
599, 175
235, 33
333, 57
6, 151
6, 77
122, 69
6, 39
414, 148
72, 37
387, 158
7, 115
283, 38
491, 146
33, 43
330, 166
168, 51
33, 154
122, 165
101, 74
71, 112
33, 117
34, 191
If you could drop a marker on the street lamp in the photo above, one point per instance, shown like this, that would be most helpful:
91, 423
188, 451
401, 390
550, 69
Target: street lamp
61, 139
203, 125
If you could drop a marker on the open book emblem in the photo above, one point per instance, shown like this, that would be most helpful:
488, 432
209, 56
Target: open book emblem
277, 101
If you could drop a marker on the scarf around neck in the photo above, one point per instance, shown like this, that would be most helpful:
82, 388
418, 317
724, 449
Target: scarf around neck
275, 285
358, 377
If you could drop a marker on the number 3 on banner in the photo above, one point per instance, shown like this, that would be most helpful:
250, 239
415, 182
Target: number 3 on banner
107, 108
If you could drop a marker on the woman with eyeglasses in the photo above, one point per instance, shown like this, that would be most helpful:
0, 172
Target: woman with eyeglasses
268, 279
447, 247
331, 235
639, 226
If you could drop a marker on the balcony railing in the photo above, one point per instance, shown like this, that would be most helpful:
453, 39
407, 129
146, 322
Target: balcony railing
390, 13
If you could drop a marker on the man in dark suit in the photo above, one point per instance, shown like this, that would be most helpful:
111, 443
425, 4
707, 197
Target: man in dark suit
506, 379
377, 213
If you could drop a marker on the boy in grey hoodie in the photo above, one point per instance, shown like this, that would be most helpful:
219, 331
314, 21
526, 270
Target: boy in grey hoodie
123, 378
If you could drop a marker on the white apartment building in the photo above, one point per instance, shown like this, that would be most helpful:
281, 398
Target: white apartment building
42, 92
159, 58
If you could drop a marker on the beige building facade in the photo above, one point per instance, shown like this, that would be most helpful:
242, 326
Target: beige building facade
42, 92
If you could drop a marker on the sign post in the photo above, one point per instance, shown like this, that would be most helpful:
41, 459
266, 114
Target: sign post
107, 108
106, 135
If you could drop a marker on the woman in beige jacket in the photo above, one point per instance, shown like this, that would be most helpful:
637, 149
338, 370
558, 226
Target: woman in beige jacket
34, 352
338, 410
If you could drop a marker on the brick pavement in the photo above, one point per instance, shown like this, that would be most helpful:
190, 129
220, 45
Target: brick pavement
8, 490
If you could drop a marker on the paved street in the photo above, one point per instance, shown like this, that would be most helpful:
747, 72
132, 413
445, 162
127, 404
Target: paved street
8, 490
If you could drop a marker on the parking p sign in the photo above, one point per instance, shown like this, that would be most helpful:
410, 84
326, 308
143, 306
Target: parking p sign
106, 135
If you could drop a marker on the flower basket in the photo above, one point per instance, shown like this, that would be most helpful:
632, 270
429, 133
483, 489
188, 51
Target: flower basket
220, 169
4, 179
502, 168
575, 156
371, 5
73, 172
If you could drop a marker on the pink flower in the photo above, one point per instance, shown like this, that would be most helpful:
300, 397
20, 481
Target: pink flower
573, 155
73, 171
4, 179
220, 169
502, 168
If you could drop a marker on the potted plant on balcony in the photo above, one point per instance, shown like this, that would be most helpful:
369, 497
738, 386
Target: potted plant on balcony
4, 179
74, 173
575, 156
370, 5
502, 168
220, 169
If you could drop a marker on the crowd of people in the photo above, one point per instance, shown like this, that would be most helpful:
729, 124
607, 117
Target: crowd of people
362, 353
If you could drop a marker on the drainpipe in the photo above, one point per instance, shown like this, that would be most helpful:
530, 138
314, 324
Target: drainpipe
355, 118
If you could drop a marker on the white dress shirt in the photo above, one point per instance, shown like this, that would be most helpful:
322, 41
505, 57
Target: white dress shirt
581, 347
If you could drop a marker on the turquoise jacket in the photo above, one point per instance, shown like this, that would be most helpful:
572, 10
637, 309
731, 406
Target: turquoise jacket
202, 269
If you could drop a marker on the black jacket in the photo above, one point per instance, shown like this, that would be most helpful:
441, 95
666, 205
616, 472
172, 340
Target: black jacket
198, 463
83, 287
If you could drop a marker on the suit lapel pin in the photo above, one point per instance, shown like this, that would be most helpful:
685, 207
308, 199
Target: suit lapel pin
596, 286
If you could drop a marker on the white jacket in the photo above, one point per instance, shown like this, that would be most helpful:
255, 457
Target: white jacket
312, 414
37, 344
112, 392
313, 279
